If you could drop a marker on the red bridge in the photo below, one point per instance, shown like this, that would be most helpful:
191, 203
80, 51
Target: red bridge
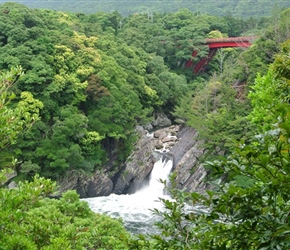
214, 44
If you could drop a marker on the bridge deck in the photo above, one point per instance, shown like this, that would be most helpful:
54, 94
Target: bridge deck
244, 41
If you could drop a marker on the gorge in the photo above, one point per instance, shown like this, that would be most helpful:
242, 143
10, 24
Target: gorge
176, 142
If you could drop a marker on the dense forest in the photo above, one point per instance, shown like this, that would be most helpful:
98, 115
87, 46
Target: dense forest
97, 81
75, 86
237, 8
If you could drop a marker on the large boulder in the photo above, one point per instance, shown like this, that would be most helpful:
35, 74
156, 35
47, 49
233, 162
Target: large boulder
160, 121
9, 176
98, 184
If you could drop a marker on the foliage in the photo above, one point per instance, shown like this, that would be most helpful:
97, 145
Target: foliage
218, 109
29, 220
257, 58
235, 214
15, 120
265, 99
238, 8
76, 74
216, 114
15, 117
97, 76
173, 36
270, 92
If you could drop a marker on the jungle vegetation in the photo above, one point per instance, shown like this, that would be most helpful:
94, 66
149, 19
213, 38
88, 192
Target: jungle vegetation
74, 86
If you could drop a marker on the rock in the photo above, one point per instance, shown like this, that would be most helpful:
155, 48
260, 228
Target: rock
12, 185
99, 185
161, 120
173, 133
139, 165
9, 176
160, 134
149, 127
68, 182
177, 142
184, 148
169, 139
159, 145
190, 173
130, 177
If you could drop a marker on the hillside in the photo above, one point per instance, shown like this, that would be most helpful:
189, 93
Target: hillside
97, 81
238, 8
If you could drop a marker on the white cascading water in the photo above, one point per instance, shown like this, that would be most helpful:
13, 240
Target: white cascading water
134, 209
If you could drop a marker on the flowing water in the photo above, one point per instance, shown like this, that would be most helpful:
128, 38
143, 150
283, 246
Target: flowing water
134, 209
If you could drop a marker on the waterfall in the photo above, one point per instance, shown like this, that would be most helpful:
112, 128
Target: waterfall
155, 188
134, 209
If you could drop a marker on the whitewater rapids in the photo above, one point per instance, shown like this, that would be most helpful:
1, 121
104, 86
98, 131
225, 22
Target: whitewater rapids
134, 209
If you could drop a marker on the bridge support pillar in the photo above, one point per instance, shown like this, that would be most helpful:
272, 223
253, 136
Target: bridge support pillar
202, 64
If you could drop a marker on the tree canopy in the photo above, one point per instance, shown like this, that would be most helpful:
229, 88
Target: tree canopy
237, 8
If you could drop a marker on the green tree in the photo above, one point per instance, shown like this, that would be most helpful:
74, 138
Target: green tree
216, 114
16, 117
270, 92
30, 220
261, 54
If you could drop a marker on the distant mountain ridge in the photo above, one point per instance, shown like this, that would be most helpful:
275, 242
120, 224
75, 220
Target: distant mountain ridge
239, 8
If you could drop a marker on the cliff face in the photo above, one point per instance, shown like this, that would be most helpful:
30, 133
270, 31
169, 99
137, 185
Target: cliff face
137, 167
190, 174
175, 142
141, 162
